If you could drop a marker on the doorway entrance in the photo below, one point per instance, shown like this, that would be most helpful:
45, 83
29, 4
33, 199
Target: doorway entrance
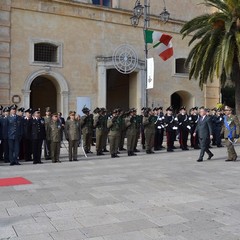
181, 98
43, 94
117, 90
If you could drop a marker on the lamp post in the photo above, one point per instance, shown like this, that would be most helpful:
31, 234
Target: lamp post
138, 11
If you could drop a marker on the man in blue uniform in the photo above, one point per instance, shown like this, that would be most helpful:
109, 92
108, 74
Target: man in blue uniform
4, 130
15, 131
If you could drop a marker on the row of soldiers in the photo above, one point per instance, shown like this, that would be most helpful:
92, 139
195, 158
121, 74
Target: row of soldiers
23, 132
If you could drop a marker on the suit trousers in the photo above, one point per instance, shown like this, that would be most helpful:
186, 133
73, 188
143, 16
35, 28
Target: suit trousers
55, 151
232, 155
204, 145
37, 150
14, 145
72, 149
5, 150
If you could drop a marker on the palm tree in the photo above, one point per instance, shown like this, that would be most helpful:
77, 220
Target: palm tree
217, 48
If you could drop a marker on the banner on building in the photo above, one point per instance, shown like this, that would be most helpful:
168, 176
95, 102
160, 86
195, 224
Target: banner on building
150, 73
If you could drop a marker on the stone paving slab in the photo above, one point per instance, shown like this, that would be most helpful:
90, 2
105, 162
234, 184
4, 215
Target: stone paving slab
163, 196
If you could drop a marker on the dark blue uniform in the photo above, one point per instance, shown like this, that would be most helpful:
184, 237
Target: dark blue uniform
4, 132
38, 135
15, 132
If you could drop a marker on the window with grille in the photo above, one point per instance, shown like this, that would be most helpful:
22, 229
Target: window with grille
45, 52
180, 66
106, 3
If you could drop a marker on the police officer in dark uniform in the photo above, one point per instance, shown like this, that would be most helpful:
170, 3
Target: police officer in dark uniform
171, 126
6, 111
159, 129
184, 128
20, 112
38, 135
193, 118
15, 132
27, 135
218, 122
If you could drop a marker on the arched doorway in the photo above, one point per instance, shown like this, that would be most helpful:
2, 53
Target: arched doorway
57, 80
43, 93
182, 98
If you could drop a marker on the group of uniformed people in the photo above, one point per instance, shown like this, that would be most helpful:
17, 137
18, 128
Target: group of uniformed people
23, 132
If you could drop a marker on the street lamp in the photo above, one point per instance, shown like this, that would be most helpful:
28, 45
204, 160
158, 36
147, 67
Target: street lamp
140, 10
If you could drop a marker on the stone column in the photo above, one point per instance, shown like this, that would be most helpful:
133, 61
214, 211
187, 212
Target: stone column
26, 98
64, 103
102, 85
5, 50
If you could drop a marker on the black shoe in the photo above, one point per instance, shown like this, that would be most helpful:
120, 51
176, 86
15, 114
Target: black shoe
35, 163
185, 149
105, 150
143, 147
118, 152
122, 149
75, 160
89, 152
229, 160
133, 154
174, 147
219, 146
40, 162
136, 150
116, 156
199, 160
148, 152
210, 156
196, 147
152, 152
18, 163
47, 158
100, 154
170, 150
12, 164
113, 156
70, 160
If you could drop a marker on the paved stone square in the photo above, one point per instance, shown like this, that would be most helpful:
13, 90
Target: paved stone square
162, 196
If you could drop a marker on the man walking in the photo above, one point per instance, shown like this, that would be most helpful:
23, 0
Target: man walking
204, 131
230, 130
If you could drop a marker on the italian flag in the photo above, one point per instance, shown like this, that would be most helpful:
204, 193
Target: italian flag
161, 43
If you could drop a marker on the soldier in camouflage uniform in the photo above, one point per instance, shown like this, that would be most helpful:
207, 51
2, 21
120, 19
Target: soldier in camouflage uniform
86, 122
114, 133
121, 119
132, 130
47, 142
149, 129
53, 132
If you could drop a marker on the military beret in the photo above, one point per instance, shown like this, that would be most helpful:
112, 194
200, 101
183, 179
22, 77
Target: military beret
160, 108
96, 110
37, 110
85, 109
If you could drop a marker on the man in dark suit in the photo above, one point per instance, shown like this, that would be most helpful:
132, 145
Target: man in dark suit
27, 135
204, 132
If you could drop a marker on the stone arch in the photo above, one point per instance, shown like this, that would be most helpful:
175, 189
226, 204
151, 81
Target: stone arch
63, 87
182, 98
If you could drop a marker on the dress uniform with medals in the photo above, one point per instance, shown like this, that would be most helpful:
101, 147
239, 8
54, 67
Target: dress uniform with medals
114, 133
149, 121
38, 134
15, 132
184, 128
131, 131
231, 132
72, 131
87, 129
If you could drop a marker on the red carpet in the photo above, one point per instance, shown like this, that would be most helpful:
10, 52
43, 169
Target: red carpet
13, 181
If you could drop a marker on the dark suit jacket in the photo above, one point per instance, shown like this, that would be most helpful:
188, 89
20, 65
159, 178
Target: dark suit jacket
204, 127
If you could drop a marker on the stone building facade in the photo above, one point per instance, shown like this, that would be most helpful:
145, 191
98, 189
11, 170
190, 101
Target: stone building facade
59, 53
